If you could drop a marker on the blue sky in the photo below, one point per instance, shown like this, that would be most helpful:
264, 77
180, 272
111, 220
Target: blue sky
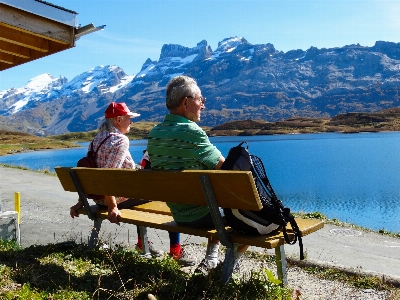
137, 29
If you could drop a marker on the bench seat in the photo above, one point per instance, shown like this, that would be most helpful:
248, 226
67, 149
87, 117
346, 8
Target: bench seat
147, 215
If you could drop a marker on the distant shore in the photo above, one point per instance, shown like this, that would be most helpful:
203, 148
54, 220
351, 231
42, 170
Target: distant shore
384, 121
16, 148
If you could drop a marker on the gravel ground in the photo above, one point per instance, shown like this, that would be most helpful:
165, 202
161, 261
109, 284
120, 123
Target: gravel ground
310, 286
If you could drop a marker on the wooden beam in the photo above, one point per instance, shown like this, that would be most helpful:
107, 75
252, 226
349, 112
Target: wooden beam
54, 47
14, 60
36, 25
22, 39
15, 50
7, 58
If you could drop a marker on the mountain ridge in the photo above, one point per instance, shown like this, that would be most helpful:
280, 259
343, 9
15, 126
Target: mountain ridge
240, 80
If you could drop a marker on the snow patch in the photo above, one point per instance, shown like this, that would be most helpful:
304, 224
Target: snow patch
124, 82
88, 85
17, 106
145, 71
32, 91
38, 83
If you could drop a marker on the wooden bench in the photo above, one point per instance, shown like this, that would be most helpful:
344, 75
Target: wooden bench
228, 189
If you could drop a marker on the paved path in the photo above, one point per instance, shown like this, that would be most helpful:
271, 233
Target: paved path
45, 219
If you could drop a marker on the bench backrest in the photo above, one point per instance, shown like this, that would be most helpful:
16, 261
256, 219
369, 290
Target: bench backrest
232, 189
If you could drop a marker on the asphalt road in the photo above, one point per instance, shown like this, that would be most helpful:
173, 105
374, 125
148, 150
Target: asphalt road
45, 219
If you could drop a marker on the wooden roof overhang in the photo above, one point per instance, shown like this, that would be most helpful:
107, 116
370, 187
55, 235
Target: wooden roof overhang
32, 29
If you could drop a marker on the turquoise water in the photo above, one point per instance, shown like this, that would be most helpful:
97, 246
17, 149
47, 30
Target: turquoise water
353, 177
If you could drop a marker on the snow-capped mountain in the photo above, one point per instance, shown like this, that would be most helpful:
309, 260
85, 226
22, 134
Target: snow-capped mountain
107, 79
36, 90
240, 81
45, 88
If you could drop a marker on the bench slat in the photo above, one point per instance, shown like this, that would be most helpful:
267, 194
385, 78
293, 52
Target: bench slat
165, 222
154, 207
231, 189
307, 226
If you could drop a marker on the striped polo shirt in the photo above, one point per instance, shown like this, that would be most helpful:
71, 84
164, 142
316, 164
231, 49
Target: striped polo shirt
180, 144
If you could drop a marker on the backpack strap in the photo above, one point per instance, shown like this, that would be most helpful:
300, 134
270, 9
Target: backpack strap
297, 234
284, 212
102, 142
91, 146
93, 153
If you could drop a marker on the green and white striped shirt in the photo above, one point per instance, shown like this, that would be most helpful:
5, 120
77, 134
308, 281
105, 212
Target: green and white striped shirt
180, 144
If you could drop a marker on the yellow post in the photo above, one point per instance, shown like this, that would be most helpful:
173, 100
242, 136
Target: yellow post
17, 203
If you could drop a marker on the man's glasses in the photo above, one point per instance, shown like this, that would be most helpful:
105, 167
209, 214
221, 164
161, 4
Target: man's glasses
202, 99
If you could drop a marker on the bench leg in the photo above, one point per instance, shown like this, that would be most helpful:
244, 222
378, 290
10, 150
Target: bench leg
94, 237
229, 263
281, 264
145, 241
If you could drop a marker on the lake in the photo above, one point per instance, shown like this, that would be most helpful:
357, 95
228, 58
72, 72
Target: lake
351, 177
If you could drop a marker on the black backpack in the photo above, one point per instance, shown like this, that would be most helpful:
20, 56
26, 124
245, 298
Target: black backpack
273, 214
89, 161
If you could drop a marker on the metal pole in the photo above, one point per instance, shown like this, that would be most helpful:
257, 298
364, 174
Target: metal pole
17, 205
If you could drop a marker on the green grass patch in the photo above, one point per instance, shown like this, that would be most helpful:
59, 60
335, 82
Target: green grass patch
46, 144
74, 271
139, 130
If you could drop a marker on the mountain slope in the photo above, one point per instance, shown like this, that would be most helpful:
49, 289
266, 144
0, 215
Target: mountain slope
241, 81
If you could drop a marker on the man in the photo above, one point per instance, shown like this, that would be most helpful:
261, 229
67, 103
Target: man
114, 153
178, 143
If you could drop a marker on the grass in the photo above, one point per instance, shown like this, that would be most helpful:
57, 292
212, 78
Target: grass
385, 120
16, 142
73, 271
320, 216
139, 130
44, 144
43, 171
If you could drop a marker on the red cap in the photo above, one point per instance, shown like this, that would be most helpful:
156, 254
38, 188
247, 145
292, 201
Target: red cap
118, 110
